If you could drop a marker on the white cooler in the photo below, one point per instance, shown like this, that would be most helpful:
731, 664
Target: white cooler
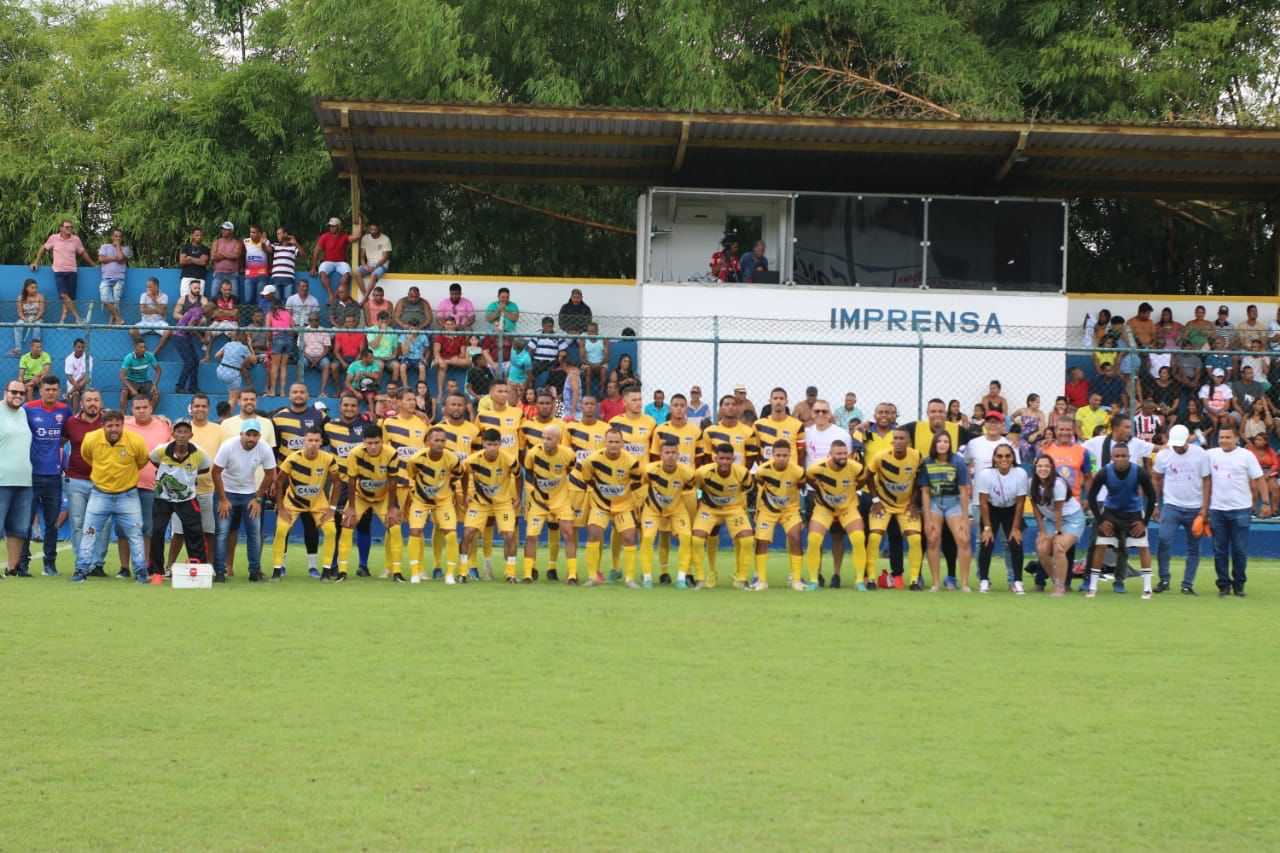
192, 576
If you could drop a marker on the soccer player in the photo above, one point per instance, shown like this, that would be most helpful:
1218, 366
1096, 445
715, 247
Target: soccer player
432, 474
371, 471
406, 430
892, 477
585, 437
547, 465
294, 421
728, 429
460, 438
491, 476
778, 425
669, 487
778, 484
724, 484
637, 433
612, 478
301, 494
1122, 516
343, 435
507, 420
686, 435
532, 429
834, 480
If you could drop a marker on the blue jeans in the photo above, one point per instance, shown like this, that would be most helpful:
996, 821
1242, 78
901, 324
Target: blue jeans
105, 512
1230, 541
78, 492
46, 500
24, 332
215, 283
1171, 518
238, 518
187, 379
249, 287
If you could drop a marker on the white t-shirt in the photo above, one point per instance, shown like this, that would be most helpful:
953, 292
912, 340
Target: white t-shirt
1232, 474
978, 453
240, 466
1061, 492
1002, 489
1184, 475
1157, 359
1217, 398
817, 442
74, 368
302, 309
161, 301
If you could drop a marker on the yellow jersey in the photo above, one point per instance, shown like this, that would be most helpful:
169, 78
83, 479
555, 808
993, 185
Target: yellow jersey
407, 436
460, 438
585, 439
507, 423
686, 437
778, 491
373, 474
893, 480
546, 475
835, 488
722, 493
788, 429
612, 483
874, 443
342, 438
493, 482
531, 431
432, 479
664, 490
740, 437
307, 477
636, 433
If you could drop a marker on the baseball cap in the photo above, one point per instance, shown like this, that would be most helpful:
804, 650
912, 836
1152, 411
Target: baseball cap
251, 425
333, 220
1178, 436
181, 421
1222, 309
992, 413
737, 388
229, 225
268, 290
321, 406
1218, 371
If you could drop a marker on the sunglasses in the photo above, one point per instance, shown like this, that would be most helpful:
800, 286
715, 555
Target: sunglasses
822, 411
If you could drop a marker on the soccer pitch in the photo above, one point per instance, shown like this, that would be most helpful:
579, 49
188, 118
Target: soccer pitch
379, 716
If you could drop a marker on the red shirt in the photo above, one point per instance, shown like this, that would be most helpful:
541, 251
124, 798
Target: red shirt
610, 409
349, 344
74, 431
335, 247
490, 345
1267, 459
451, 345
1077, 393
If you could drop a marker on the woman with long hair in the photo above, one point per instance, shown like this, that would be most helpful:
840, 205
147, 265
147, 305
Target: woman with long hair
1031, 419
956, 415
624, 374
31, 308
1059, 518
1002, 490
1259, 421
281, 319
944, 495
529, 403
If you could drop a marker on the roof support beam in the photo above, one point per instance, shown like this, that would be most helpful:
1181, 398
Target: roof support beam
681, 147
450, 178
511, 159
1014, 156
560, 137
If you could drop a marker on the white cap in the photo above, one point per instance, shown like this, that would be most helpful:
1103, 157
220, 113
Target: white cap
1178, 436
1218, 371
269, 290
229, 225
320, 405
333, 220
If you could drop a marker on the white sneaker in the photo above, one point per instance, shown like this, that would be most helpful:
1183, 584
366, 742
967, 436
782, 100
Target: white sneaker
415, 579
1146, 595
633, 585
739, 584
798, 586
758, 586
1017, 588
386, 573
984, 586
448, 579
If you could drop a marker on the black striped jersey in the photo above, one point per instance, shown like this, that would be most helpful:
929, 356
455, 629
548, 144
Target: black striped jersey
779, 491
546, 475
788, 429
373, 474
893, 480
507, 422
493, 481
432, 479
407, 436
835, 488
723, 492
306, 479
341, 437
531, 431
291, 426
665, 490
636, 433
740, 437
686, 438
460, 438
612, 483
584, 439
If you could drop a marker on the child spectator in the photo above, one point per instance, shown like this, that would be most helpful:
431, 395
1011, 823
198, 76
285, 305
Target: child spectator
235, 359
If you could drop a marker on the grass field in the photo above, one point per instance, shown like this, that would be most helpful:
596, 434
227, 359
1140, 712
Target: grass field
378, 716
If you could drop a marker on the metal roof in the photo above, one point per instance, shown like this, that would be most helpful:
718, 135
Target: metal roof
508, 143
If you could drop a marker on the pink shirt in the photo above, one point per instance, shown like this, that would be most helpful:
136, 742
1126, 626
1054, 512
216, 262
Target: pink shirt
154, 434
281, 319
463, 313
64, 250
373, 309
229, 246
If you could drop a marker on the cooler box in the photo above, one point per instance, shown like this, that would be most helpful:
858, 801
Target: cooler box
192, 576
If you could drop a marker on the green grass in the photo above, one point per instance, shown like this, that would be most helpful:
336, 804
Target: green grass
377, 716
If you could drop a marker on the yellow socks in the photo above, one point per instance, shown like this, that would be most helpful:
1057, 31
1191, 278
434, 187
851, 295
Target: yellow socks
664, 550
282, 536
593, 559
762, 566
646, 556
914, 557
873, 554
394, 544
813, 556
700, 562
437, 547
570, 568
510, 568
743, 549
488, 542
553, 547
858, 539
684, 555
526, 565
615, 547
629, 562
797, 565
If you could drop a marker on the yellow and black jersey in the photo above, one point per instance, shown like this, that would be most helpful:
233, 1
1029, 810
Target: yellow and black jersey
291, 426
407, 436
874, 443
373, 474
686, 437
788, 429
636, 432
779, 491
835, 488
341, 437
493, 481
460, 438
893, 480
612, 483
585, 439
665, 490
432, 479
531, 430
306, 480
546, 475
507, 423
740, 437
721, 493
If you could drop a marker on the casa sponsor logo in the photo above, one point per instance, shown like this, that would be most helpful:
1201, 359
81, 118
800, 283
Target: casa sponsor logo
919, 320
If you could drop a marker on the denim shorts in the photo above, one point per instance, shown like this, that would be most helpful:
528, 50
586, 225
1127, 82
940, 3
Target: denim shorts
339, 267
1072, 525
66, 282
15, 510
947, 506
282, 344
373, 272
111, 290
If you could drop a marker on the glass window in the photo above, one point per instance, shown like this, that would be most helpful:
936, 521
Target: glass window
847, 240
982, 245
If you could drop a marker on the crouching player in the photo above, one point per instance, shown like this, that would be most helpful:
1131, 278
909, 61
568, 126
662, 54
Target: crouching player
724, 484
834, 481
492, 495
371, 470
432, 473
547, 466
612, 478
667, 483
301, 494
1122, 516
778, 484
892, 476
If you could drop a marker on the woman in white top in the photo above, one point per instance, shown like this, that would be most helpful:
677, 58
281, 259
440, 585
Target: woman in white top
1002, 489
1059, 518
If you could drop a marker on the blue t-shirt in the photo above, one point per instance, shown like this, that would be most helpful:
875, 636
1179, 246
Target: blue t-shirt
747, 265
46, 436
418, 346
659, 415
138, 369
234, 354
521, 363
943, 477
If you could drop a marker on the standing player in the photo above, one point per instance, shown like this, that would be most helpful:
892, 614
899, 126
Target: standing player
1122, 517
460, 439
637, 434
506, 418
778, 483
432, 474
779, 426
371, 471
819, 435
493, 496
294, 421
301, 494
547, 465
669, 485
531, 432
724, 484
728, 429
834, 480
406, 431
612, 478
686, 434
343, 435
585, 437
892, 478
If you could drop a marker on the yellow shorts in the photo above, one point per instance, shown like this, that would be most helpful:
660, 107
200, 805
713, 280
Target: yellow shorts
288, 511
602, 518
734, 519
789, 519
443, 516
536, 515
676, 522
404, 494
908, 521
581, 507
379, 508
503, 517
844, 516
